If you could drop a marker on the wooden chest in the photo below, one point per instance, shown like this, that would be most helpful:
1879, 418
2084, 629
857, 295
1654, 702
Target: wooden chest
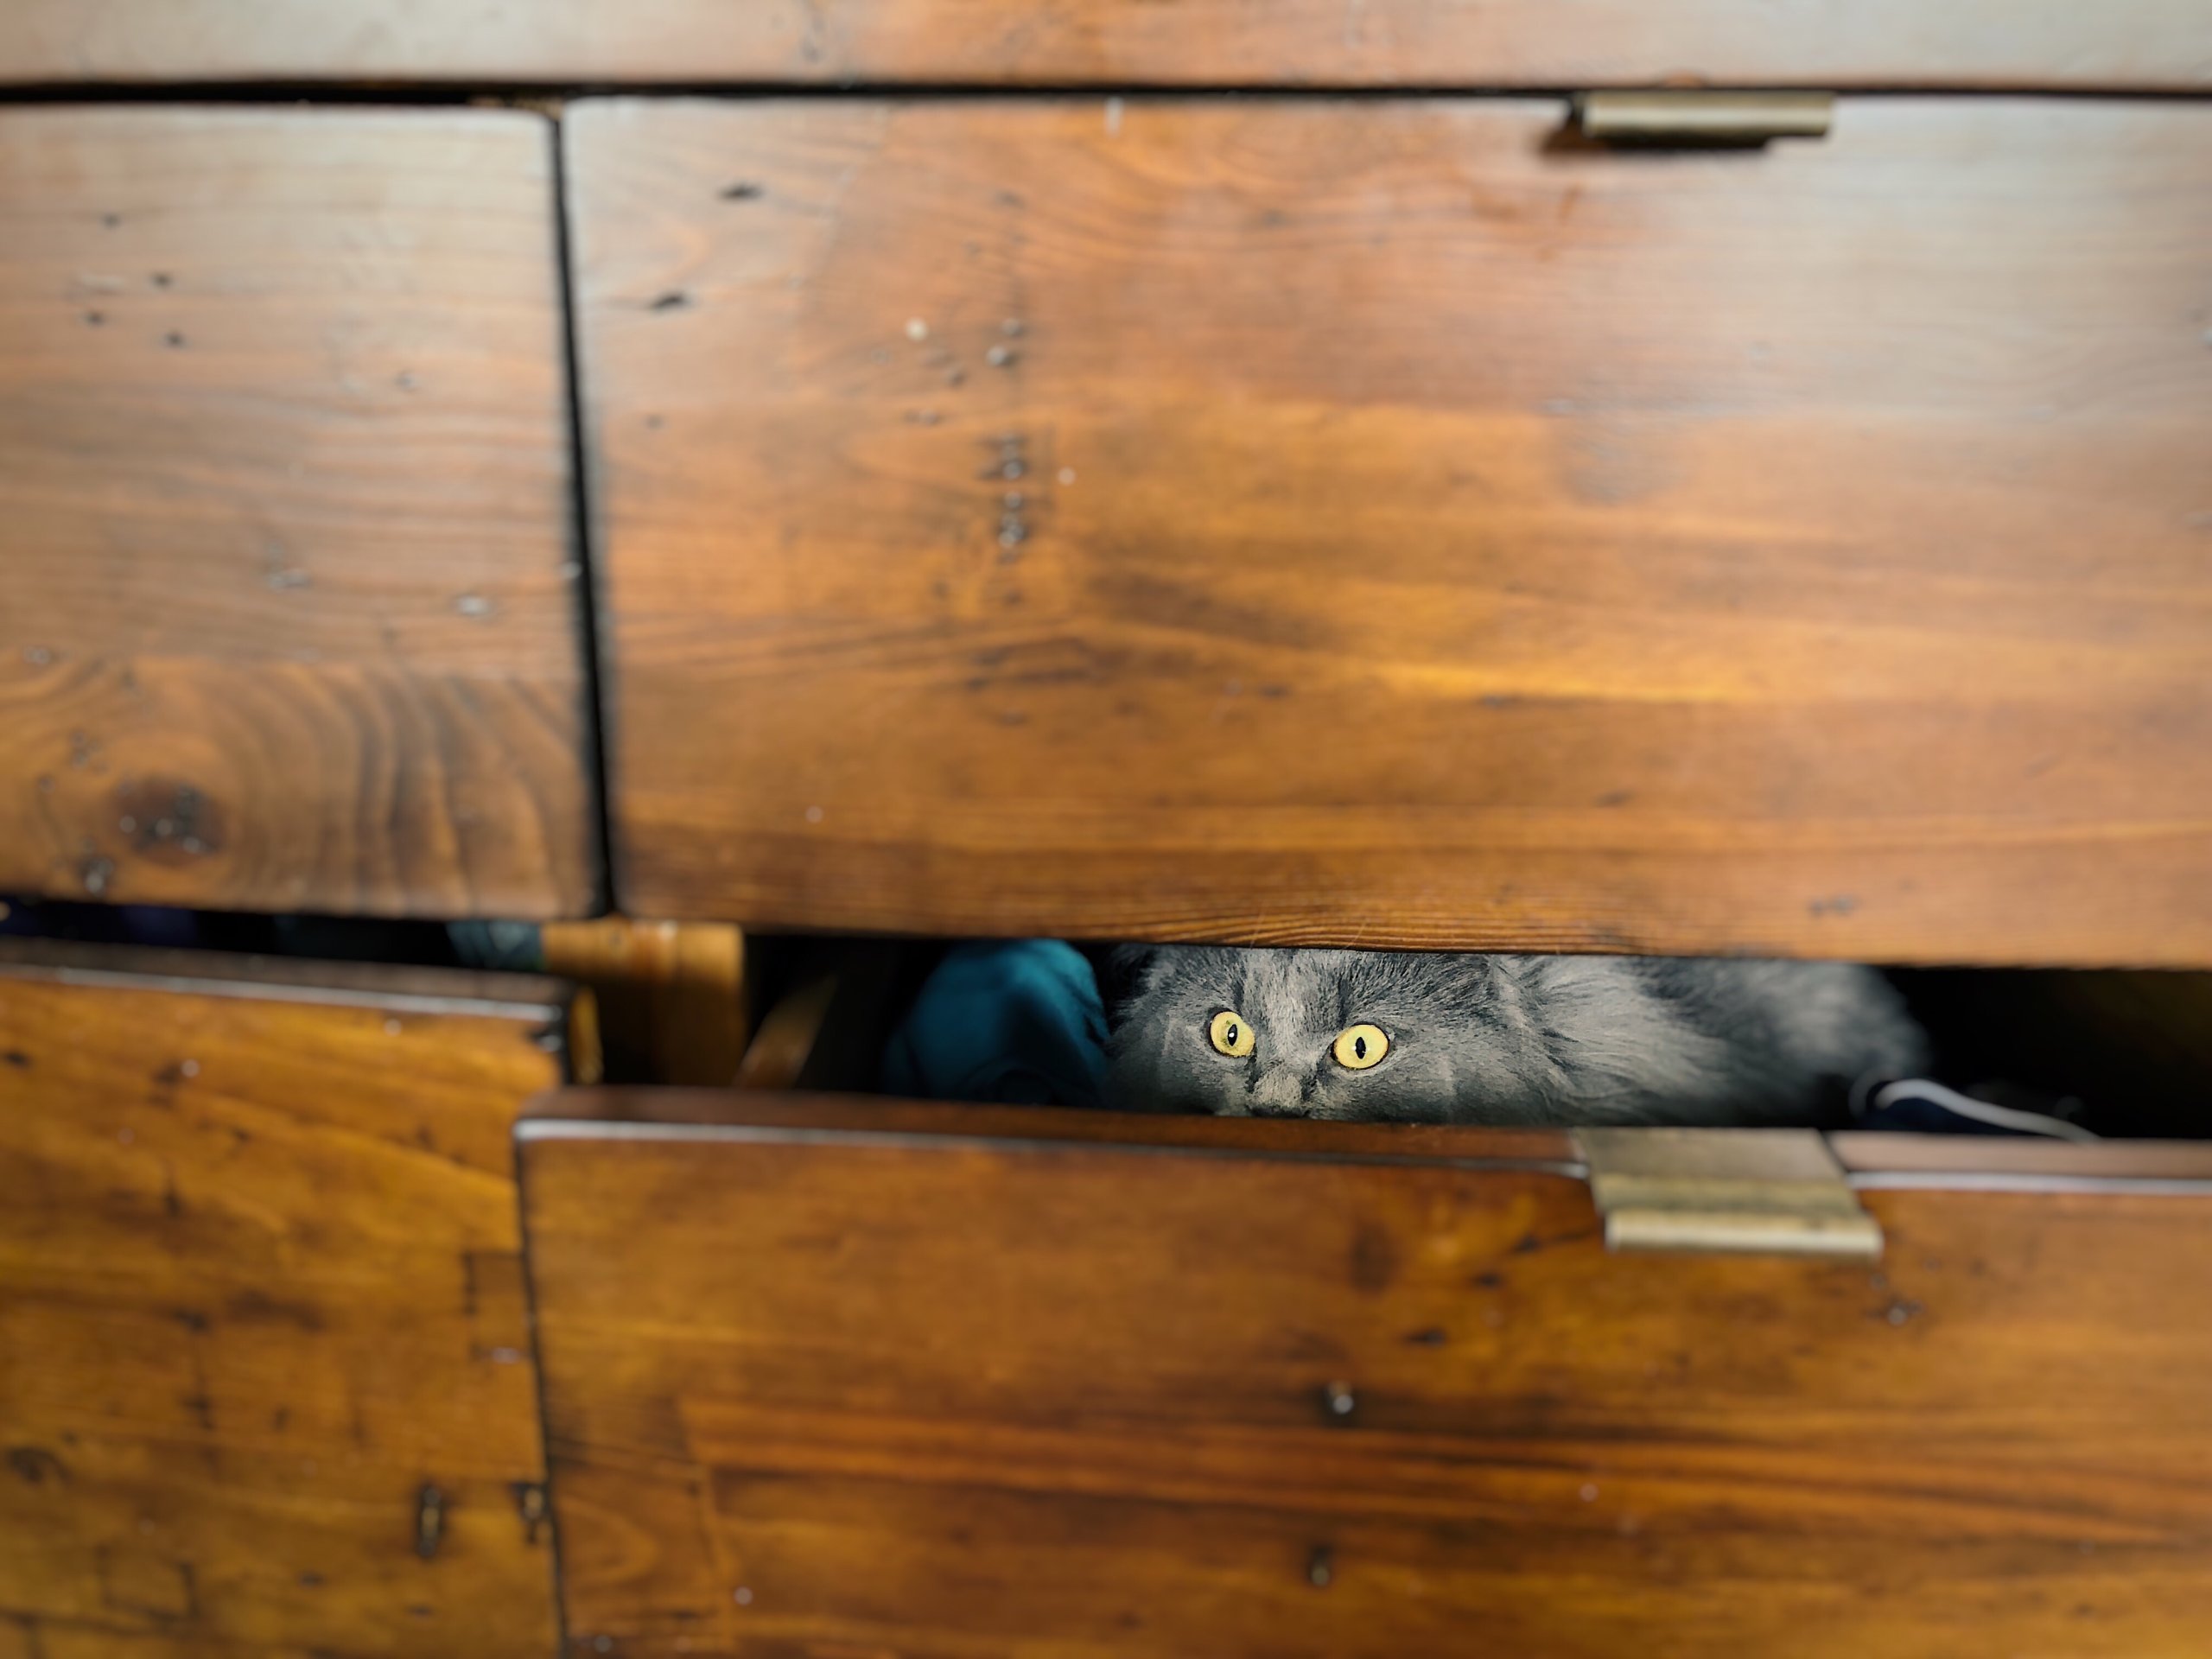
1285, 474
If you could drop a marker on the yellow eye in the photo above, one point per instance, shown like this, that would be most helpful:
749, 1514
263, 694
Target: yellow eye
1360, 1046
1231, 1036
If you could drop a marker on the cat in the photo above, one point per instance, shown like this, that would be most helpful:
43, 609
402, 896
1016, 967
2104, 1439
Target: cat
1437, 1039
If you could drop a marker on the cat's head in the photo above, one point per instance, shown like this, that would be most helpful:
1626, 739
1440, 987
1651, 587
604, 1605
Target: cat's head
1324, 1033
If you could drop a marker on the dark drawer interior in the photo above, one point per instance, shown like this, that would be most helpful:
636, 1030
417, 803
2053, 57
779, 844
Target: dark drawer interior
2126, 1052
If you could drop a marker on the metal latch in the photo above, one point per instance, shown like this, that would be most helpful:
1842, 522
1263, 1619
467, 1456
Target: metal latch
1778, 1191
1696, 117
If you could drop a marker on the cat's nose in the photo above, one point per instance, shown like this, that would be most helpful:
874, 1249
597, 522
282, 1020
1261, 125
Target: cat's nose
1278, 1092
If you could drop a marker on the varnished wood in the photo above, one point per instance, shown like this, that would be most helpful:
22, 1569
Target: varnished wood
397, 989
1376, 523
875, 1116
260, 1286
838, 1004
1877, 1158
290, 613
789, 1031
671, 996
949, 1394
2143, 43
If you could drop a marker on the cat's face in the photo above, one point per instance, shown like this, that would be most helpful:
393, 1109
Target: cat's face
1325, 1034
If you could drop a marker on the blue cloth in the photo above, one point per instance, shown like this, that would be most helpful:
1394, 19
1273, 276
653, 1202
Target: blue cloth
1014, 1023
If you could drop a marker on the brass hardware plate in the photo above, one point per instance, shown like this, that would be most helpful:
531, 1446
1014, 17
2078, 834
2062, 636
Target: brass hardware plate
1756, 1192
1702, 117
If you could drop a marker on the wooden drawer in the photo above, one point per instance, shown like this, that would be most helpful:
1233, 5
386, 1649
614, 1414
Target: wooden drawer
1392, 523
290, 617
2146, 43
266, 1376
886, 1379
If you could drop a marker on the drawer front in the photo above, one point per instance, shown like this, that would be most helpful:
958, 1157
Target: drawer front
815, 1384
265, 1368
2149, 43
1389, 523
291, 613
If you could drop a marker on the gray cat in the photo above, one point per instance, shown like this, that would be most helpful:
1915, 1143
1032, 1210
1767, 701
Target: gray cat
1502, 1039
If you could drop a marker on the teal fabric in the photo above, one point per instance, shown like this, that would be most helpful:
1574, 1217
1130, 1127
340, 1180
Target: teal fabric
1013, 1023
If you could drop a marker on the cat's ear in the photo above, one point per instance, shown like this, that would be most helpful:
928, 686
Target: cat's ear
1128, 971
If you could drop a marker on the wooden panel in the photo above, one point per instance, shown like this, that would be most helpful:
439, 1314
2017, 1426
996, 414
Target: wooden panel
811, 1390
2150, 43
260, 1287
1877, 1160
1371, 523
291, 617
735, 1112
671, 996
829, 1029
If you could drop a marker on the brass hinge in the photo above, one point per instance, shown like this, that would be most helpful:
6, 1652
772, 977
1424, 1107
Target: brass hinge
1760, 1192
1694, 117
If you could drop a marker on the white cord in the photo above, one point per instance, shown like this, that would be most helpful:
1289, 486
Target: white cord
2002, 1117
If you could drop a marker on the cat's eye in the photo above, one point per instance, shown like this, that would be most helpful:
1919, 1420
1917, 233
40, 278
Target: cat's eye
1231, 1035
1358, 1047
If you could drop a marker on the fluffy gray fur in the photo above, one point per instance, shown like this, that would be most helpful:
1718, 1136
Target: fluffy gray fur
1508, 1039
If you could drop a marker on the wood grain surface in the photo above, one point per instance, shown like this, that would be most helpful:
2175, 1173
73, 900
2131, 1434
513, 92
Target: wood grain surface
671, 997
260, 1292
1375, 522
2126, 43
810, 1394
290, 617
744, 1111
